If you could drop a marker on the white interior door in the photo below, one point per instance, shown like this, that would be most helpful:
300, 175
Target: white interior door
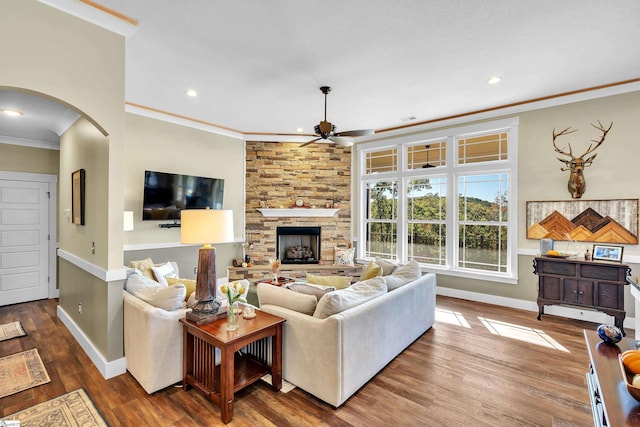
24, 241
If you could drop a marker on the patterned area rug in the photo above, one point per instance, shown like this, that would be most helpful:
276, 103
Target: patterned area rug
21, 371
11, 330
69, 410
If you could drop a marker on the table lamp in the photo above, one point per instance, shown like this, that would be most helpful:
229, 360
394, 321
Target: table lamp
206, 226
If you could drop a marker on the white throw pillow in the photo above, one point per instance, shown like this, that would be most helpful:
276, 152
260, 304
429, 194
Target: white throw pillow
136, 282
282, 297
165, 297
403, 274
344, 299
387, 266
161, 272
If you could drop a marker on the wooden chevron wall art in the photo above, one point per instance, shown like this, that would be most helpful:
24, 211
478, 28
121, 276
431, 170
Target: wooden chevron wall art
604, 221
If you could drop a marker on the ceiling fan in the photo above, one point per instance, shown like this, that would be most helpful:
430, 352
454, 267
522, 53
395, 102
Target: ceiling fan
327, 131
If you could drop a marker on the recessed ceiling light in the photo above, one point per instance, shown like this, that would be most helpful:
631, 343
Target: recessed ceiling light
407, 119
494, 80
12, 113
192, 93
299, 130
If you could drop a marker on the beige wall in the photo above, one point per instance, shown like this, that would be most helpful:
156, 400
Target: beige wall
165, 147
101, 319
84, 147
16, 158
540, 178
81, 65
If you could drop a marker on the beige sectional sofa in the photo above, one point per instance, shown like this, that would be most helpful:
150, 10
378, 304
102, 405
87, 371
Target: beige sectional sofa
333, 357
152, 343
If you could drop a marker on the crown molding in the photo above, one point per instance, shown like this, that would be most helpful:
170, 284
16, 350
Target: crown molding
96, 14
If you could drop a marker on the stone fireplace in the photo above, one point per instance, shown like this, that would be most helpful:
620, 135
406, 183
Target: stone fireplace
298, 245
279, 173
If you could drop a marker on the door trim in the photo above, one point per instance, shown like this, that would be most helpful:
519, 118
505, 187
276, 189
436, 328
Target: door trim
52, 181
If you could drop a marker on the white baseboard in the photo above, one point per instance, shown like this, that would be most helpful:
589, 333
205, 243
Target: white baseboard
107, 369
588, 315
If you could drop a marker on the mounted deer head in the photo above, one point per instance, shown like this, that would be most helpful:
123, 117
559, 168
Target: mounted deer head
576, 165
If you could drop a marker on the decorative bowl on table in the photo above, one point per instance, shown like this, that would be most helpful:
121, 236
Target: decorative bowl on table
628, 379
609, 334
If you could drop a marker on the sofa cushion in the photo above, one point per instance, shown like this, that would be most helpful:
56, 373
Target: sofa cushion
338, 282
163, 271
282, 297
403, 274
310, 289
387, 266
344, 256
371, 270
188, 283
135, 282
165, 297
144, 266
355, 295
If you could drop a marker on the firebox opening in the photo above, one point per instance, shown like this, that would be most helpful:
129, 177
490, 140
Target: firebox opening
298, 245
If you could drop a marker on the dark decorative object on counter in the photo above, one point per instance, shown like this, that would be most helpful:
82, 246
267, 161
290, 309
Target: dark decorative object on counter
609, 334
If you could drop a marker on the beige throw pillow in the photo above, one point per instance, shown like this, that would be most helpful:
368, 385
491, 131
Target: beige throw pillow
282, 297
338, 282
387, 266
371, 270
403, 274
188, 283
144, 266
310, 289
355, 295
165, 297
135, 282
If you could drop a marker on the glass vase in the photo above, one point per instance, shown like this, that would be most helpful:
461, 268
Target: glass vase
275, 279
232, 317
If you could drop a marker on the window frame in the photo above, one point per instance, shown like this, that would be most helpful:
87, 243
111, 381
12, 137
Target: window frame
452, 170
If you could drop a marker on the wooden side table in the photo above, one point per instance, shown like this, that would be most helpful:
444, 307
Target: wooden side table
235, 371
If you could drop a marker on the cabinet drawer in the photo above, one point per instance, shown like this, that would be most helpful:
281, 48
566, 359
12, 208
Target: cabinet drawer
560, 268
602, 272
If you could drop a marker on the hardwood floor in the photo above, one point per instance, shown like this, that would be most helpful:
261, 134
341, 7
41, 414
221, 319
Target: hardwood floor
480, 365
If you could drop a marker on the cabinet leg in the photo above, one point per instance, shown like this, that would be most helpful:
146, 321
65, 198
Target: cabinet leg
540, 311
619, 322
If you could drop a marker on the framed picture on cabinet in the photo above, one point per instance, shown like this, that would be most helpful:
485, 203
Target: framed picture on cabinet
607, 253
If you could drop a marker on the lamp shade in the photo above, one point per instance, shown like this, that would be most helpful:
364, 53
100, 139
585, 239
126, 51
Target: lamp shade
205, 226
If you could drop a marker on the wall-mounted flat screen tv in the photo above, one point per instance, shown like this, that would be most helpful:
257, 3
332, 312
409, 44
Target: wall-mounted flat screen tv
166, 194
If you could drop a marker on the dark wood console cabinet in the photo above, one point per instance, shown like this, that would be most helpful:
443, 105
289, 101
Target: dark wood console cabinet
591, 284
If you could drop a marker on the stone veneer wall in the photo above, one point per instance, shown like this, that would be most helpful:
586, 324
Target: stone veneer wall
278, 173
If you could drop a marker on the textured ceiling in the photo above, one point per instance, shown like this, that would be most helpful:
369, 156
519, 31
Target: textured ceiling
257, 65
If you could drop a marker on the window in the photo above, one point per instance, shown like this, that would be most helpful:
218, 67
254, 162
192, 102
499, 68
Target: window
381, 219
444, 199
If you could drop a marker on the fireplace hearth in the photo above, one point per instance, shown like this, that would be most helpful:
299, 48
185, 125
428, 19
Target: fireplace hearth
298, 245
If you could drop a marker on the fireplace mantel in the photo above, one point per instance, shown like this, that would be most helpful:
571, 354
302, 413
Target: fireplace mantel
297, 212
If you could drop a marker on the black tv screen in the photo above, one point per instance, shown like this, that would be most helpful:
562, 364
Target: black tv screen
166, 194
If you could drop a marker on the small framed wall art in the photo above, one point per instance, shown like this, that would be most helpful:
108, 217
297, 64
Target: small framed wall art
77, 197
607, 253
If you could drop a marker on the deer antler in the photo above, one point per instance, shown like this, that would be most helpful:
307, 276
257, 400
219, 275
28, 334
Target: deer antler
555, 147
599, 142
